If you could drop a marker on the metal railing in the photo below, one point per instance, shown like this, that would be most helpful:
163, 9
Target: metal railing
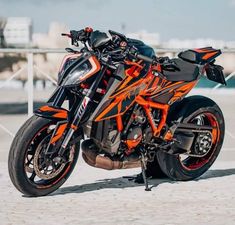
30, 67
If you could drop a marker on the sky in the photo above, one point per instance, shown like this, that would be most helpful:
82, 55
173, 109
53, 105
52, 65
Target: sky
183, 19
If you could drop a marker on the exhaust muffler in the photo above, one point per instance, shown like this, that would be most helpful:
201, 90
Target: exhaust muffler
93, 158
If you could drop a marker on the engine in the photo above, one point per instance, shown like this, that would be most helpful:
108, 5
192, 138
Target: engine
107, 138
109, 149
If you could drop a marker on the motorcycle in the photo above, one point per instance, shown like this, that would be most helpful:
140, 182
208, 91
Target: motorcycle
125, 108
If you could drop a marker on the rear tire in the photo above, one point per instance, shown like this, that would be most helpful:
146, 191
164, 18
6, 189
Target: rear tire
28, 138
173, 165
154, 170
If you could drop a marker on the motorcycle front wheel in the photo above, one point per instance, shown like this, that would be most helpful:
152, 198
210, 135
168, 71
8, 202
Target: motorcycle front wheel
30, 171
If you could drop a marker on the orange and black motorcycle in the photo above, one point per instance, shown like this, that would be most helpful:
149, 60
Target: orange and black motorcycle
129, 108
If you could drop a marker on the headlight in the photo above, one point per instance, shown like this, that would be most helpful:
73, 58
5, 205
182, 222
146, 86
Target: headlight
82, 71
77, 74
66, 63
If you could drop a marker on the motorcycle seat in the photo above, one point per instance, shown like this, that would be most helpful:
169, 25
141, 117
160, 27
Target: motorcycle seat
199, 55
188, 71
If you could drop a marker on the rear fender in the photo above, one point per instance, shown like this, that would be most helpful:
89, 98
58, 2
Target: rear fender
52, 113
215, 73
180, 109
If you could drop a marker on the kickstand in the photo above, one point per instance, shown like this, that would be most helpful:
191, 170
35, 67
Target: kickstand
143, 167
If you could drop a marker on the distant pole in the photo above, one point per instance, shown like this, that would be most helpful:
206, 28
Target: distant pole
123, 28
30, 84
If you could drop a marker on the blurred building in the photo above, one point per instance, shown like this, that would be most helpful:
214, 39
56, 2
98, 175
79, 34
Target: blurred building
2, 26
197, 43
18, 32
53, 38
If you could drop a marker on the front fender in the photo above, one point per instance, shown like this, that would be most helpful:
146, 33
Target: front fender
52, 113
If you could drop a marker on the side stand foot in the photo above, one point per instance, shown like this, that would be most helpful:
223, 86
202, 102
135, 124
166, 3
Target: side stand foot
143, 167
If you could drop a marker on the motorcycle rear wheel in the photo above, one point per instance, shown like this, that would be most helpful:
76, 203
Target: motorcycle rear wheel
180, 168
25, 162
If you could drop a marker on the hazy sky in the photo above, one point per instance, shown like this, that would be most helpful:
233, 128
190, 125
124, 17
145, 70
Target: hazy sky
171, 18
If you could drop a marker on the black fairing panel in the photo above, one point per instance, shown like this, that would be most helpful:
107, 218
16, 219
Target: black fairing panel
143, 49
215, 73
188, 71
98, 39
163, 98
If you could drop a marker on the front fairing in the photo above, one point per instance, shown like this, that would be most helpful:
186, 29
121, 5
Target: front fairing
77, 68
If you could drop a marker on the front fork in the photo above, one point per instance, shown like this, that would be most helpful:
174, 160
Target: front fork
74, 125
65, 128
79, 112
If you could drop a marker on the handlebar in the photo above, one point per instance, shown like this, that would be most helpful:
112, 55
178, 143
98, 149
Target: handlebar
81, 35
67, 35
165, 62
145, 58
84, 34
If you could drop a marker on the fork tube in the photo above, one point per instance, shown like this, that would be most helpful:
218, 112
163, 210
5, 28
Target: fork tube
58, 97
81, 110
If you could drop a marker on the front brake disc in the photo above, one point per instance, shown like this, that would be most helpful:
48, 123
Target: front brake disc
45, 168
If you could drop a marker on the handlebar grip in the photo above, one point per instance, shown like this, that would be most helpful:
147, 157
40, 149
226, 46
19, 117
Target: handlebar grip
67, 35
145, 58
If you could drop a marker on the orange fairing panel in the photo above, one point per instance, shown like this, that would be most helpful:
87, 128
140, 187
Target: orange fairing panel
209, 55
59, 132
52, 112
181, 91
117, 107
205, 50
122, 99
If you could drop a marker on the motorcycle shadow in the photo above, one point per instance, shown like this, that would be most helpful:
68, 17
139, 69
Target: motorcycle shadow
122, 182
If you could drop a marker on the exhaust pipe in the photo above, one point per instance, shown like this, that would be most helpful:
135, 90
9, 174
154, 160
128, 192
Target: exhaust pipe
92, 158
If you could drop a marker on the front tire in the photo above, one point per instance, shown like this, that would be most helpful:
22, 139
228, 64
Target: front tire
21, 159
174, 166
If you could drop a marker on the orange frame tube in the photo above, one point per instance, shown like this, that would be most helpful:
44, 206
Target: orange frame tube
147, 105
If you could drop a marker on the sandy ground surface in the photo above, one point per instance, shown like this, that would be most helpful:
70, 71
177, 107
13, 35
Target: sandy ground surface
94, 196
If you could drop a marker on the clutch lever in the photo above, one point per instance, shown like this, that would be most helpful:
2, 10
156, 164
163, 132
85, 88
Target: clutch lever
70, 50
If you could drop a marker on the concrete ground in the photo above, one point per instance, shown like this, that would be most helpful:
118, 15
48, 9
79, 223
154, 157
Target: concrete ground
95, 196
